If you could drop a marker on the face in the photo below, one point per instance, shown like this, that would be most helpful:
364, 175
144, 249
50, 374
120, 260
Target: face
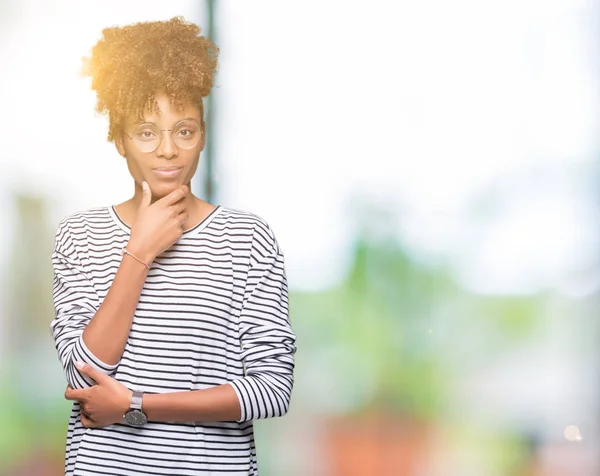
169, 166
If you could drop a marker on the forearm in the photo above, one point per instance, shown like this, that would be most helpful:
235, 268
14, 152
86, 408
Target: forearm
107, 332
213, 404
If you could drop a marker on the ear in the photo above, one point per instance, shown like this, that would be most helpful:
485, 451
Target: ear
120, 143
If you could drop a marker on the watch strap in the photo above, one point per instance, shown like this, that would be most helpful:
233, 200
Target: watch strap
136, 400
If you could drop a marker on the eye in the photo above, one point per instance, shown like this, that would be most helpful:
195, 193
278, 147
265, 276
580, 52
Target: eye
145, 134
187, 131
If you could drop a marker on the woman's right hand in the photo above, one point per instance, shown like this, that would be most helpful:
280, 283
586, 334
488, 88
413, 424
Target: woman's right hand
158, 225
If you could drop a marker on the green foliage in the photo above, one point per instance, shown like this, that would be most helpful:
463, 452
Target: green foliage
381, 316
387, 329
23, 423
516, 317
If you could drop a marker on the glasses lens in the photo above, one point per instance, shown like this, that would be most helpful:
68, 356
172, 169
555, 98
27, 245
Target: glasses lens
146, 138
187, 134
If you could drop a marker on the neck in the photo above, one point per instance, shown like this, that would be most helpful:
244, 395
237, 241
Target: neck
139, 193
128, 210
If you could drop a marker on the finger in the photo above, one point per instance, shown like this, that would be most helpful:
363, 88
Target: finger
91, 372
79, 395
183, 217
178, 207
146, 195
86, 421
176, 210
175, 196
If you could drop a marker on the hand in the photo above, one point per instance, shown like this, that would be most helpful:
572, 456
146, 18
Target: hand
103, 404
158, 225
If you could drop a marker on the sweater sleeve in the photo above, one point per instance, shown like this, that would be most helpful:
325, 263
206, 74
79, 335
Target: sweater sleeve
75, 303
267, 340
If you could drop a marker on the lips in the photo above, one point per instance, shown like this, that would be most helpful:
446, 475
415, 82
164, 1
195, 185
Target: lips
167, 172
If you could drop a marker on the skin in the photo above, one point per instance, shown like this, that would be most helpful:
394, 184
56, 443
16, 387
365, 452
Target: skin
107, 402
158, 213
141, 165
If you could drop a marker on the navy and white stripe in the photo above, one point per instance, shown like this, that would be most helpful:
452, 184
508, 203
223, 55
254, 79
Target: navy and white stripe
213, 310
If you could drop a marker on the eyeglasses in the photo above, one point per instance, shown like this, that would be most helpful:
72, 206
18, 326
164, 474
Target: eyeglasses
185, 135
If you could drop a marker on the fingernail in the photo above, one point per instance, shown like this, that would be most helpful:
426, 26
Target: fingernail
79, 364
144, 186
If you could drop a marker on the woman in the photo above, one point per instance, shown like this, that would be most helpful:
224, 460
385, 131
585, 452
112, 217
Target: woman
171, 313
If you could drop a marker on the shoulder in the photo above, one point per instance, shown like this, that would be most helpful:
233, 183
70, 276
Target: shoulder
251, 226
80, 222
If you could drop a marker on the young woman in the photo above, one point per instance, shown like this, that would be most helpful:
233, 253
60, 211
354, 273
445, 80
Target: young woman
171, 313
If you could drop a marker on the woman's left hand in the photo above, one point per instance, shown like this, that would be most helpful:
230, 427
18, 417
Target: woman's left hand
103, 404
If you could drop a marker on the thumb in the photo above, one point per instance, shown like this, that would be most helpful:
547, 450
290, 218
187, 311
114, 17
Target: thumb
90, 371
147, 195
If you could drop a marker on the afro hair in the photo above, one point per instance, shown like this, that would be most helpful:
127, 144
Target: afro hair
129, 65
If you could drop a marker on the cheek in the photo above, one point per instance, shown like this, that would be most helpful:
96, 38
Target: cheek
192, 166
135, 169
135, 164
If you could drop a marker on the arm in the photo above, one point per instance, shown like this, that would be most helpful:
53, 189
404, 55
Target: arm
97, 334
107, 332
83, 330
267, 339
268, 346
106, 402
156, 228
218, 403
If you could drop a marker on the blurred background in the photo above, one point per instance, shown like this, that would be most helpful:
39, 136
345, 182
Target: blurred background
431, 172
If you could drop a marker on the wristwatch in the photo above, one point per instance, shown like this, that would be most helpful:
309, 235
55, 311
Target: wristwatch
135, 416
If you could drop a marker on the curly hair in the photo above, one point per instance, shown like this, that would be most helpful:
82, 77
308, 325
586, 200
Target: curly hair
130, 64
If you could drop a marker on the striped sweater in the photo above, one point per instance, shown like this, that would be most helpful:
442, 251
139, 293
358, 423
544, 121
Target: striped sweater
213, 310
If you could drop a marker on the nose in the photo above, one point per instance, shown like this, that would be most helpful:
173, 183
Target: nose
167, 148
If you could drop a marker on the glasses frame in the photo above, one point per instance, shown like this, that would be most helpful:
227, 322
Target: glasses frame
172, 138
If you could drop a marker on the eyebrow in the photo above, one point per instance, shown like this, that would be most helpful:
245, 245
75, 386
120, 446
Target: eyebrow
150, 123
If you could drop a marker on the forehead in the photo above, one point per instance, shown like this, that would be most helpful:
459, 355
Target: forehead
165, 111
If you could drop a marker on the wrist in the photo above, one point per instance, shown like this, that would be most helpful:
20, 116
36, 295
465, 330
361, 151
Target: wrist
140, 252
126, 252
135, 415
126, 404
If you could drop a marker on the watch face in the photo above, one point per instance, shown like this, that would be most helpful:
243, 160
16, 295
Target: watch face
136, 418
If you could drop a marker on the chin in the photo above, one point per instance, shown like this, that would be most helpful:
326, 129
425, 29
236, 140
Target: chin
162, 188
